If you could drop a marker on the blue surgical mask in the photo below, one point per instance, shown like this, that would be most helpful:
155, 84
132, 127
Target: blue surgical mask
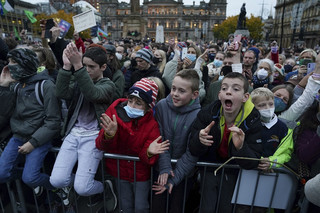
217, 63
279, 104
221, 77
133, 112
191, 57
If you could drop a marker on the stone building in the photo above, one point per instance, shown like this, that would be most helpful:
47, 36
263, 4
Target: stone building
301, 22
179, 21
17, 18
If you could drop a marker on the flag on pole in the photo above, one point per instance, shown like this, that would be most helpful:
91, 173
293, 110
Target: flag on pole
1, 9
6, 6
29, 14
16, 34
102, 34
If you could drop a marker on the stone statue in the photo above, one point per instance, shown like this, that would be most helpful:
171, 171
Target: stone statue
242, 17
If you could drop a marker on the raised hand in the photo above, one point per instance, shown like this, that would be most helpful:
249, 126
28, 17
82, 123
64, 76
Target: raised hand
237, 137
109, 126
156, 148
66, 63
74, 55
204, 136
5, 77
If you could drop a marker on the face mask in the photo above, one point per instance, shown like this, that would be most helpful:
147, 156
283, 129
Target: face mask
211, 56
133, 63
133, 112
156, 60
279, 104
221, 77
305, 61
119, 56
16, 72
266, 114
287, 68
217, 63
191, 57
262, 74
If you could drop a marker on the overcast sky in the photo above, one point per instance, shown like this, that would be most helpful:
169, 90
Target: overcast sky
233, 7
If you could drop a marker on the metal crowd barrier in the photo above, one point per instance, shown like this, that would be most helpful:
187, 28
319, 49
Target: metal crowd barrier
253, 188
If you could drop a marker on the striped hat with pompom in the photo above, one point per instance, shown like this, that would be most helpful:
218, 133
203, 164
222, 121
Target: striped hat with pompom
145, 89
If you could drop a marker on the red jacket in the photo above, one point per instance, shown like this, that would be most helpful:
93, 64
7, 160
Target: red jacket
132, 138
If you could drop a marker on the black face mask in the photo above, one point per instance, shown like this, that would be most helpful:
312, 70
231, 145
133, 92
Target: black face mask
211, 56
133, 63
156, 60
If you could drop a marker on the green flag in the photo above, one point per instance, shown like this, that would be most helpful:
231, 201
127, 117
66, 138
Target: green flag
16, 34
29, 14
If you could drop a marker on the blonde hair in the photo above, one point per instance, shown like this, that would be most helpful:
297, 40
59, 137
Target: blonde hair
163, 63
161, 88
261, 92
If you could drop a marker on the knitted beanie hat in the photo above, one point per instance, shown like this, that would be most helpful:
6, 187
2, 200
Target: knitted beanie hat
182, 44
279, 68
145, 54
27, 59
145, 89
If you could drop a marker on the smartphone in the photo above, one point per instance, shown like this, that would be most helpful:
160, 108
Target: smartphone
49, 25
236, 41
184, 52
311, 67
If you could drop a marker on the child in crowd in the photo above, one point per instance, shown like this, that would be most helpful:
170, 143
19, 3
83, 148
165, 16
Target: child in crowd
228, 127
34, 125
276, 138
88, 95
175, 115
129, 128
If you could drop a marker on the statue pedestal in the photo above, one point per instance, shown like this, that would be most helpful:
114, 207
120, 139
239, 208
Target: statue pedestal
244, 32
134, 23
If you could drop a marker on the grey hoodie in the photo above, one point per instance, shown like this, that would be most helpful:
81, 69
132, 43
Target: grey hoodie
175, 124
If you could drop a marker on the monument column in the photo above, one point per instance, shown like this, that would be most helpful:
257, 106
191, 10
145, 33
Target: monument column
134, 21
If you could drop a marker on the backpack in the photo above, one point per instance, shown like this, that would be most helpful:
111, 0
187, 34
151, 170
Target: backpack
38, 88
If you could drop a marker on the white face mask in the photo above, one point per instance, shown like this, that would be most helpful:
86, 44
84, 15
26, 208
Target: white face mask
262, 74
119, 56
266, 114
133, 112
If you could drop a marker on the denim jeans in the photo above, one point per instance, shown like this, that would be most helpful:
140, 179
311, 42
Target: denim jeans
82, 149
31, 174
134, 198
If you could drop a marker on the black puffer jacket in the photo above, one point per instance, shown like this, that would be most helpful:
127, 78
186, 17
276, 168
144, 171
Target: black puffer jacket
248, 121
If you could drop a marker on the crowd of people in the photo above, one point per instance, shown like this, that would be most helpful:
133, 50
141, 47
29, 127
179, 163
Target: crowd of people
177, 100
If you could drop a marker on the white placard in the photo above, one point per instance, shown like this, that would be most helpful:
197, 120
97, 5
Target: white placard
159, 34
84, 21
237, 68
95, 40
